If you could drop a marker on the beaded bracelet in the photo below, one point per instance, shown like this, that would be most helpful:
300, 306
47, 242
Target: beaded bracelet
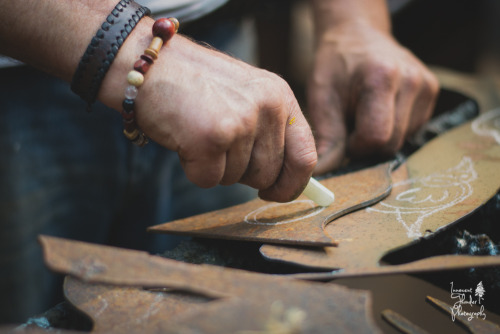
104, 47
163, 30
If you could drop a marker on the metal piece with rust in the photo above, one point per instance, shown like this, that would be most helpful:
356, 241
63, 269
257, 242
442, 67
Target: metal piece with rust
245, 299
401, 323
440, 184
119, 309
432, 264
472, 323
300, 222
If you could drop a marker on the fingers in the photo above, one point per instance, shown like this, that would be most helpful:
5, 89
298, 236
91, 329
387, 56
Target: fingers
203, 156
391, 106
374, 111
329, 128
300, 160
237, 160
424, 103
268, 149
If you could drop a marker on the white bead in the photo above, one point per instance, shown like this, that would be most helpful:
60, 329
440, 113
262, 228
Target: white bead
135, 78
131, 92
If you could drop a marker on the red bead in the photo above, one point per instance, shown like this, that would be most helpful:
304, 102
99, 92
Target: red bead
164, 28
128, 115
148, 58
142, 66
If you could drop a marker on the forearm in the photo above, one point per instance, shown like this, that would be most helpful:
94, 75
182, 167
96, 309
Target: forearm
337, 13
50, 34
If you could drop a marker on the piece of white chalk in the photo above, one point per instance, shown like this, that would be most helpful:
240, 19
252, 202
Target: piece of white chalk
318, 193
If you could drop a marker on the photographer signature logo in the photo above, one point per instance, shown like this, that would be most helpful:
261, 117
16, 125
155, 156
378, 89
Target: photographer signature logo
466, 300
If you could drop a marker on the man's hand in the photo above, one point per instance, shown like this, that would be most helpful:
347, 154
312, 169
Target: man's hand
228, 121
366, 92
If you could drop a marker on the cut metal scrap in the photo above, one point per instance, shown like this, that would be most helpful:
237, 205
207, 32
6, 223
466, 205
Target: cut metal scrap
432, 264
243, 298
401, 323
116, 309
299, 222
473, 324
443, 182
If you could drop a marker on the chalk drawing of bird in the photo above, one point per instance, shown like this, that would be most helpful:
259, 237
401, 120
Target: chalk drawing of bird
413, 200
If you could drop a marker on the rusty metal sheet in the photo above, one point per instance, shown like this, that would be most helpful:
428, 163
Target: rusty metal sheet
432, 264
438, 185
118, 309
299, 222
401, 323
473, 324
115, 309
240, 301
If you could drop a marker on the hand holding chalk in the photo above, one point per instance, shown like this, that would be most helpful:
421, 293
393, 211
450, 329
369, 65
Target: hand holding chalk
318, 193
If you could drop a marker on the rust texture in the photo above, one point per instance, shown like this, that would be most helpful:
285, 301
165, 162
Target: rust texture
299, 222
251, 302
437, 186
473, 324
106, 304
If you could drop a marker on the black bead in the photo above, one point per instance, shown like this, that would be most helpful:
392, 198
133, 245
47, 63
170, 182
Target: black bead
128, 105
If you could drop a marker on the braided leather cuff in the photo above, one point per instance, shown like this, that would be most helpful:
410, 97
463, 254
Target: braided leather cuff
104, 47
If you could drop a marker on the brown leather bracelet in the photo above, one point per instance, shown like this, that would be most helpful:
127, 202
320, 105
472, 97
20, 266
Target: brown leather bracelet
104, 47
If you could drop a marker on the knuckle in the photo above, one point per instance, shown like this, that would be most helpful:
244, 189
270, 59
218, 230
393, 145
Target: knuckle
432, 85
216, 138
221, 135
381, 75
412, 81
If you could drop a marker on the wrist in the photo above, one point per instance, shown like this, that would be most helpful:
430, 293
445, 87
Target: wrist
343, 15
115, 81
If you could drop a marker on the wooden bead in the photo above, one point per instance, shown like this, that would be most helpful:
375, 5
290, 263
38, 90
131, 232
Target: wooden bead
142, 66
131, 135
129, 125
148, 59
128, 116
141, 140
164, 28
154, 47
175, 22
135, 78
